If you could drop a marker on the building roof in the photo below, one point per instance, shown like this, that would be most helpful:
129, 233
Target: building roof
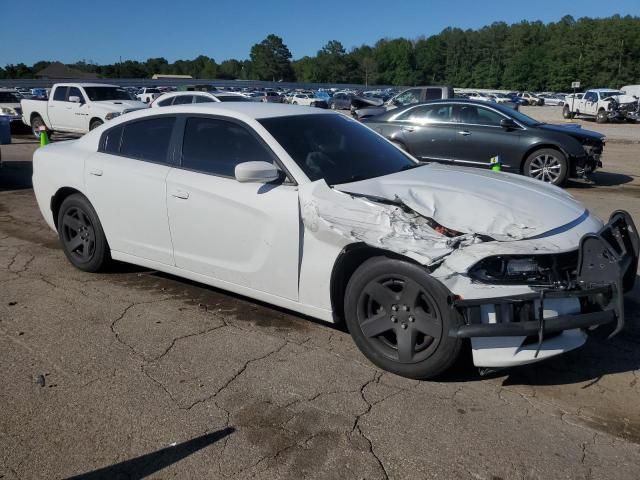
59, 71
160, 76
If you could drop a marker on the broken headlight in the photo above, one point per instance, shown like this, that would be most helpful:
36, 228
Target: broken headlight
526, 269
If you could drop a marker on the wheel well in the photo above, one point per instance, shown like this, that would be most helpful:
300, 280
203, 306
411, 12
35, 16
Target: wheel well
540, 147
351, 257
58, 198
34, 115
94, 119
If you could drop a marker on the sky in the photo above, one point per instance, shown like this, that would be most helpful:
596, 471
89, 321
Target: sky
102, 32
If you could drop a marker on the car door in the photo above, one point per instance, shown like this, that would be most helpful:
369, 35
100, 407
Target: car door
590, 103
480, 137
125, 182
57, 109
245, 234
77, 112
428, 131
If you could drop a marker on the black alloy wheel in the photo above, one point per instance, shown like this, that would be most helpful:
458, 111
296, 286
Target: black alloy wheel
399, 317
80, 231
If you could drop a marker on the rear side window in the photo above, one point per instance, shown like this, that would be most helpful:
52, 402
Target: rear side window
111, 141
166, 102
183, 99
203, 99
147, 139
60, 94
217, 146
433, 94
75, 92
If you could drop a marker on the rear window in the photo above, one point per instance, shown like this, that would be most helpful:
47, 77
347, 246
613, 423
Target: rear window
60, 94
147, 139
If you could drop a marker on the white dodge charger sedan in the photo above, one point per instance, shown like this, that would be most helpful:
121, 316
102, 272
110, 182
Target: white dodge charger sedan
311, 211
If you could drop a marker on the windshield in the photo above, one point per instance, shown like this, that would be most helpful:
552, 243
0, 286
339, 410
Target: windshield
97, 94
610, 94
335, 148
8, 97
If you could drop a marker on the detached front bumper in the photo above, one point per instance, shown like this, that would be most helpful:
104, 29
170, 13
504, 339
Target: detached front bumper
607, 265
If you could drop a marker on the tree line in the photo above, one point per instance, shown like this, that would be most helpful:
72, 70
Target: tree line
521, 56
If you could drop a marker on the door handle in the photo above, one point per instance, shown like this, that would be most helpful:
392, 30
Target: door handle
464, 133
408, 129
180, 194
95, 171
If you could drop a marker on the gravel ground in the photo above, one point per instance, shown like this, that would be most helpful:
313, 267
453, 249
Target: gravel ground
134, 373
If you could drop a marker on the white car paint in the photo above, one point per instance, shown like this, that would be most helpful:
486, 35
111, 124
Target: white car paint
203, 96
279, 244
148, 95
304, 99
75, 113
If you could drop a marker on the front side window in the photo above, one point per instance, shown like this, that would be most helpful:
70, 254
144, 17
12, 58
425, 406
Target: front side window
335, 148
473, 115
489, 117
75, 92
409, 97
60, 94
217, 146
147, 139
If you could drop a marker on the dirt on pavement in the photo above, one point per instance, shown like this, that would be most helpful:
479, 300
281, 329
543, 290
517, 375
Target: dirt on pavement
135, 373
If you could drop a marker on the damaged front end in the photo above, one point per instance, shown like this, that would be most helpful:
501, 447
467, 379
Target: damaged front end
524, 290
584, 290
619, 110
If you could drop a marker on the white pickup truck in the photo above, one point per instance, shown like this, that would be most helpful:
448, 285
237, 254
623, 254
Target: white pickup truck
604, 104
77, 107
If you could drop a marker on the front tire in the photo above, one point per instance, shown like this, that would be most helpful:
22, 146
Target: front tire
80, 231
547, 165
602, 117
399, 318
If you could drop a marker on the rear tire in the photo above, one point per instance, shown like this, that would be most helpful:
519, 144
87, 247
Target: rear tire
399, 317
547, 165
95, 124
36, 124
566, 112
80, 231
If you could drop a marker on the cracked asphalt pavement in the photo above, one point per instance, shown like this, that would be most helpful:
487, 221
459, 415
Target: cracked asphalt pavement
134, 373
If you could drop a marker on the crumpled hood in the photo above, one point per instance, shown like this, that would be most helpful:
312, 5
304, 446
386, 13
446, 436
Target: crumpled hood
502, 206
121, 105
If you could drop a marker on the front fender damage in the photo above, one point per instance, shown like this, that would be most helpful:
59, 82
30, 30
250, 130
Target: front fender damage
390, 225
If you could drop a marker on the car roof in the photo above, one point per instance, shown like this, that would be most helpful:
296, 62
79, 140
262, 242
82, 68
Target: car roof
240, 110
604, 90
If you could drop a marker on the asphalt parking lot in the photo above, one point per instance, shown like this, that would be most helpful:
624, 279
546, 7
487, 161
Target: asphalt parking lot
134, 373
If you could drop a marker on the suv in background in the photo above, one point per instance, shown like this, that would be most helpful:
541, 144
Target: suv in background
363, 107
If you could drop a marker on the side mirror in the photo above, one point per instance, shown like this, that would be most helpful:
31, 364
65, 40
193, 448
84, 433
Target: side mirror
508, 123
256, 172
75, 99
